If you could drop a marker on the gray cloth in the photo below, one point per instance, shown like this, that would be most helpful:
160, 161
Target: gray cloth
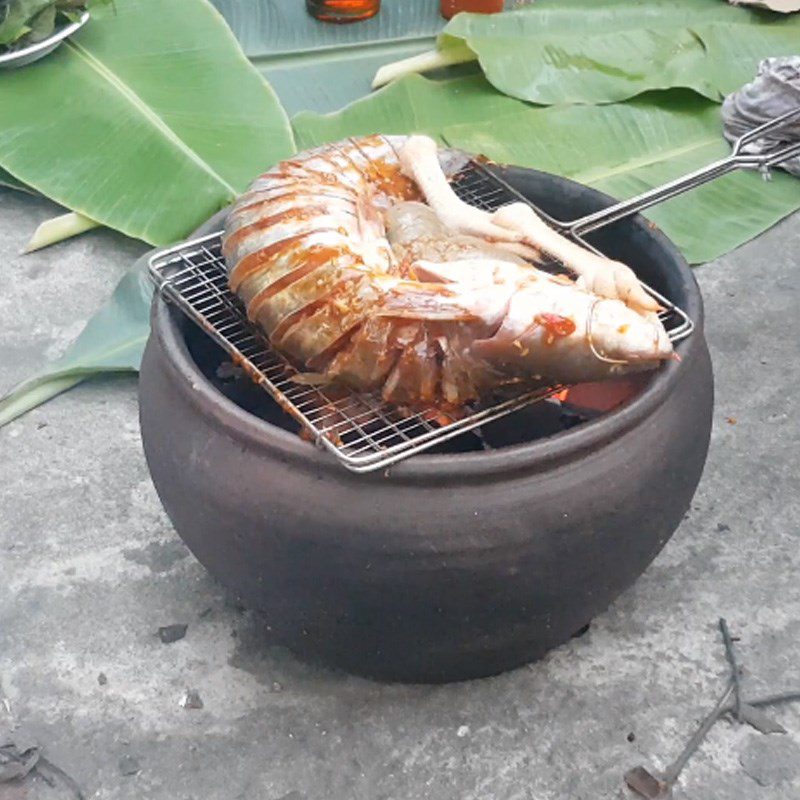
775, 91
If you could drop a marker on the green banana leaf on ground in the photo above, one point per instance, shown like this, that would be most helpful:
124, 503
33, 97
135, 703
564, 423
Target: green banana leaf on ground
584, 51
148, 120
10, 182
154, 119
112, 341
411, 105
622, 148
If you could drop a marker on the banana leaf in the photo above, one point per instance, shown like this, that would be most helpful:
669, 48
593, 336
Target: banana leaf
411, 105
622, 149
148, 121
331, 81
112, 341
585, 51
10, 182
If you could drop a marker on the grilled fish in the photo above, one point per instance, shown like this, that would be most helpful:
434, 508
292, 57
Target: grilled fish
362, 267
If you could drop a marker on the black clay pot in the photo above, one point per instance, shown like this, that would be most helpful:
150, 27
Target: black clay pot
450, 566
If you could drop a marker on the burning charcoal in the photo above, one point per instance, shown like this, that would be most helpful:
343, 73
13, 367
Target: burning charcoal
172, 633
191, 700
128, 765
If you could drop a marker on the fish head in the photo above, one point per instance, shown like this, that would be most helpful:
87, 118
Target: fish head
619, 333
571, 336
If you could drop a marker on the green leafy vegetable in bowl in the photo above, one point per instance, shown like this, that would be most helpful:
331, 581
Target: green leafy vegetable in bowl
25, 22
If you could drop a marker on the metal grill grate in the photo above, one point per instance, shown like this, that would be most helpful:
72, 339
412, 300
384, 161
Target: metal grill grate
362, 431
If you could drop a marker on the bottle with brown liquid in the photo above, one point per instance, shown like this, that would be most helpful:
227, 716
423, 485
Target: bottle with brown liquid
452, 7
343, 10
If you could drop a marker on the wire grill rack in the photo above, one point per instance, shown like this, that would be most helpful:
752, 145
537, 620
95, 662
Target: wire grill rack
362, 431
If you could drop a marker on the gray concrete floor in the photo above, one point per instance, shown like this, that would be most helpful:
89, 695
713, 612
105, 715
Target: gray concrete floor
91, 568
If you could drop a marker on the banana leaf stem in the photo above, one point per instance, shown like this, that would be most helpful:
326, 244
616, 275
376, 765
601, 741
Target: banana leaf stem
59, 228
424, 62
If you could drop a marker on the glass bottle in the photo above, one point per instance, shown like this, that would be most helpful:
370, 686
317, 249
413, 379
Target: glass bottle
343, 10
452, 7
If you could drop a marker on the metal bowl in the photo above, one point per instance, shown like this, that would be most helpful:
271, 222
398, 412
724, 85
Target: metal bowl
20, 58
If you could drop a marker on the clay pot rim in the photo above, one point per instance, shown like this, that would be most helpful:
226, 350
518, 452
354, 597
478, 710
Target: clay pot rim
167, 327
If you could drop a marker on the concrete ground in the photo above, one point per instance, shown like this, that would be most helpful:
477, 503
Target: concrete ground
91, 569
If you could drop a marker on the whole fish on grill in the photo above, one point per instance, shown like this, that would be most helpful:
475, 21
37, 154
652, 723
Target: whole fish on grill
363, 267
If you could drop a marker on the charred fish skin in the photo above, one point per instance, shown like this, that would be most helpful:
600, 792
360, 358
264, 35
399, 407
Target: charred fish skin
356, 274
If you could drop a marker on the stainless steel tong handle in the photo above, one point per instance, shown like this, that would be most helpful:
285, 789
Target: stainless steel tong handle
738, 159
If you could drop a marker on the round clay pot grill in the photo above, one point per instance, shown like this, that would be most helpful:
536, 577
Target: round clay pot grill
453, 565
